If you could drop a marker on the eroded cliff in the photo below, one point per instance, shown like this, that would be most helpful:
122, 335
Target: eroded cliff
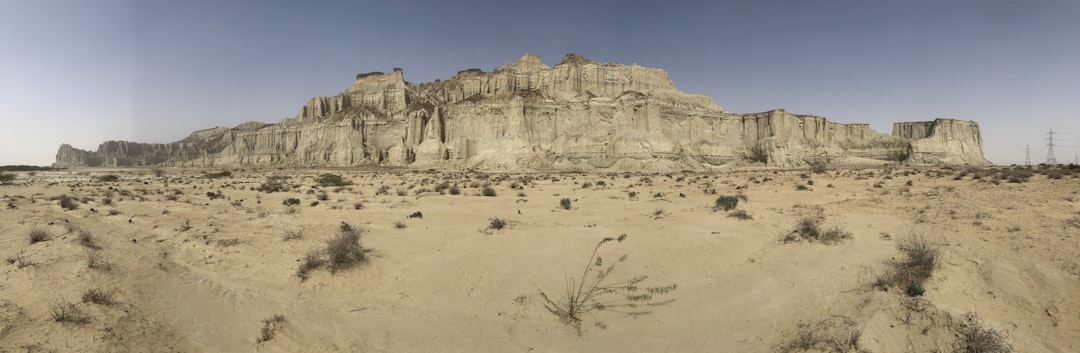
578, 115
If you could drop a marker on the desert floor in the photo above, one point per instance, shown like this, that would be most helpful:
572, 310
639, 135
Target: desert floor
193, 273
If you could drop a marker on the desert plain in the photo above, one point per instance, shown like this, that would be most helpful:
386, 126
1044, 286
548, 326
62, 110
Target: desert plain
195, 260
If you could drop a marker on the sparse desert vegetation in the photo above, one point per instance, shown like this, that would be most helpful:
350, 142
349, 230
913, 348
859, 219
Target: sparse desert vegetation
99, 296
344, 251
38, 235
726, 203
912, 250
497, 223
919, 258
67, 312
978, 337
594, 292
811, 229
218, 175
565, 203
270, 328
68, 203
326, 180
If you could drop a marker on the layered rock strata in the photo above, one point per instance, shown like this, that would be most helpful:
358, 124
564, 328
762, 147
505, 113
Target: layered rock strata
578, 115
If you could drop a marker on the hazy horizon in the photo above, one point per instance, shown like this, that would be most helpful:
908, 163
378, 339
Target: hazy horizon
82, 72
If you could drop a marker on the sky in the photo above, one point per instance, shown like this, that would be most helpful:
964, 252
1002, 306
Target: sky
85, 71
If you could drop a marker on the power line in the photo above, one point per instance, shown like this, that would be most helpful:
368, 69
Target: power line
1027, 154
1050, 160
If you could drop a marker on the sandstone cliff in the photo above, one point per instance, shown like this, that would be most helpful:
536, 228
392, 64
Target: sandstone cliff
577, 115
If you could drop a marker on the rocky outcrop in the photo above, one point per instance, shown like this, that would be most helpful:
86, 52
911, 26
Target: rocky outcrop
578, 115
201, 148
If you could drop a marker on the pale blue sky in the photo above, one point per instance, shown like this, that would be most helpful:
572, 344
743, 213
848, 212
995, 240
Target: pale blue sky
84, 71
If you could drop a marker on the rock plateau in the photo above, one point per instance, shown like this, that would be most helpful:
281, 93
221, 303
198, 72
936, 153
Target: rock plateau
579, 115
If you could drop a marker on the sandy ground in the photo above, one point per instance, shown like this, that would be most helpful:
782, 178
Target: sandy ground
193, 273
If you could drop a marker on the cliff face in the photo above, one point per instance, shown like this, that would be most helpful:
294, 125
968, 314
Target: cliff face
946, 141
577, 115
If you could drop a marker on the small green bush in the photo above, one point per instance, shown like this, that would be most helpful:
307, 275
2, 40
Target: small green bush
325, 180
108, 178
726, 203
497, 223
274, 183
914, 290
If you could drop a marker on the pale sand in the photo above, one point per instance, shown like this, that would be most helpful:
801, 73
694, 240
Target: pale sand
446, 283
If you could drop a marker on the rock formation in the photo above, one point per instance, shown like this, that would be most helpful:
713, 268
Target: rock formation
578, 115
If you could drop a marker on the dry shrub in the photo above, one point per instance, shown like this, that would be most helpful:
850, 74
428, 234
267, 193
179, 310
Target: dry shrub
726, 203
593, 292
345, 251
920, 259
94, 261
326, 180
229, 242
741, 215
99, 296
65, 311
270, 327
312, 261
497, 223
292, 234
39, 235
20, 262
274, 183
68, 203
977, 337
1074, 221
809, 229
86, 239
